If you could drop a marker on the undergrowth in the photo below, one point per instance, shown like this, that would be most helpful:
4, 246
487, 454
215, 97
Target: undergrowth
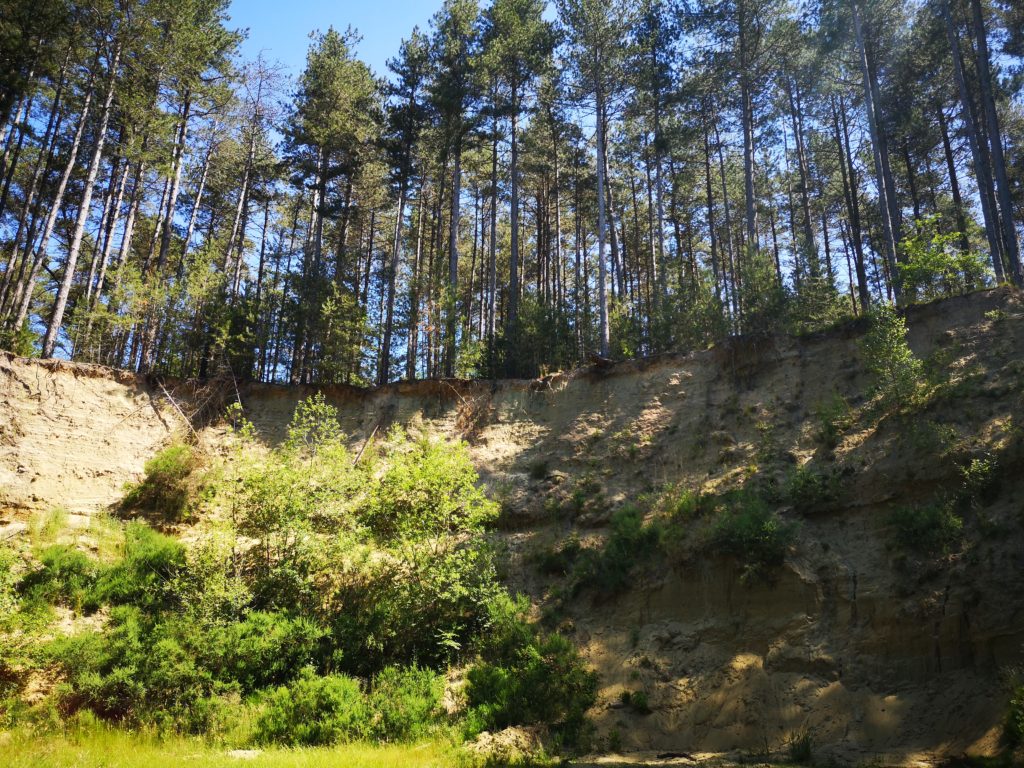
326, 608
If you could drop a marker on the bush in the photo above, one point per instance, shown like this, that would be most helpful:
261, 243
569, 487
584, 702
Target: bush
609, 568
429, 489
927, 530
637, 701
525, 678
315, 711
801, 748
167, 487
980, 483
745, 528
145, 575
66, 576
933, 265
809, 490
405, 702
266, 649
834, 418
889, 358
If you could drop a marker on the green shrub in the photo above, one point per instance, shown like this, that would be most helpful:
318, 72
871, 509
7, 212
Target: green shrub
834, 418
630, 539
746, 529
928, 529
429, 489
980, 483
810, 490
145, 575
524, 678
314, 424
66, 576
8, 584
405, 702
167, 487
897, 371
637, 701
266, 649
933, 265
315, 711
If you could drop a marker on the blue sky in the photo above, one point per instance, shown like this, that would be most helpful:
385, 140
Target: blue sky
281, 28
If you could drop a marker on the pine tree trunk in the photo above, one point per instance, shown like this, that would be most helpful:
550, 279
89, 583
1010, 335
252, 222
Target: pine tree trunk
60, 304
870, 105
602, 296
981, 165
1009, 231
26, 288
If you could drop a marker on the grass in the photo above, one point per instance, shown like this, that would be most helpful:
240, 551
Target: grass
119, 749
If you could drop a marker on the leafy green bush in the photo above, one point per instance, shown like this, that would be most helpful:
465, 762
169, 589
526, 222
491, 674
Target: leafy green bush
168, 485
608, 569
405, 702
637, 701
429, 489
66, 576
809, 490
315, 711
745, 528
927, 529
888, 357
264, 649
980, 483
933, 265
834, 418
524, 677
145, 575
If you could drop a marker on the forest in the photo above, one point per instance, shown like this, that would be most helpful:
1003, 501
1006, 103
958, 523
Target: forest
527, 187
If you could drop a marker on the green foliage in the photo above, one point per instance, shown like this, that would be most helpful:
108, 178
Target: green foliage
745, 528
21, 341
525, 677
327, 588
890, 360
630, 539
8, 584
927, 529
315, 711
66, 576
428, 490
834, 418
980, 482
809, 490
933, 264
816, 305
314, 424
167, 486
262, 649
406, 702
145, 575
637, 701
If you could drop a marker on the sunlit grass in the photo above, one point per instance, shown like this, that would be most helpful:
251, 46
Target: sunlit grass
119, 749
46, 526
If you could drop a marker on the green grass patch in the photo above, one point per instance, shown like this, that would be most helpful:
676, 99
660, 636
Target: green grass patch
118, 749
